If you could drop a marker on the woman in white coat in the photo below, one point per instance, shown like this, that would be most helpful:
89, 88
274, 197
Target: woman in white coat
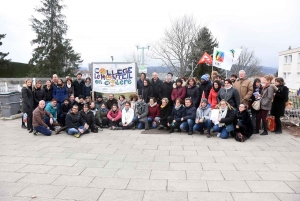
127, 117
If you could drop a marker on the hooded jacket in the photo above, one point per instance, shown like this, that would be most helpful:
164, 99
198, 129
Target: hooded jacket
178, 114
141, 109
153, 111
27, 99
243, 120
203, 113
117, 115
60, 93
231, 95
178, 92
193, 93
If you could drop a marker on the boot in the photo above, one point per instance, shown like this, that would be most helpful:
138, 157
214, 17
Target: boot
279, 131
256, 132
264, 133
172, 130
146, 125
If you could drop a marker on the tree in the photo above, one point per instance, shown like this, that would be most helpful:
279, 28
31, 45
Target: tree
174, 49
4, 63
54, 53
247, 62
204, 42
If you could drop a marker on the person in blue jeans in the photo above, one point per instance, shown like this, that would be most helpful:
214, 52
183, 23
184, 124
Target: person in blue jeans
38, 120
140, 114
188, 120
224, 124
75, 123
203, 118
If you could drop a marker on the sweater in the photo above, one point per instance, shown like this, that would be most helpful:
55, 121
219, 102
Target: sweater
38, 117
52, 110
114, 115
153, 111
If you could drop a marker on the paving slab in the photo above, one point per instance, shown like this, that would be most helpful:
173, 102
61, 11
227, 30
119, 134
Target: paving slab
121, 195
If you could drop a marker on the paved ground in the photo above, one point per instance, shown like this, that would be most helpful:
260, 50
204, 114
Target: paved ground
127, 165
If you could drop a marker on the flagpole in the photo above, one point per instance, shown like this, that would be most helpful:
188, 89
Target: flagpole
193, 69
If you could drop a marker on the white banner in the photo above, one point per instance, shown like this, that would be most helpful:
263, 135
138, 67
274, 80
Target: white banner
114, 78
142, 69
225, 58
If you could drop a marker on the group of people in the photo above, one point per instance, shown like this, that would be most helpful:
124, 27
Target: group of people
182, 105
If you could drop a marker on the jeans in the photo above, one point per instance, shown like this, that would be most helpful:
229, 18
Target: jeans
142, 122
58, 104
153, 122
43, 130
187, 125
72, 131
200, 126
222, 130
62, 119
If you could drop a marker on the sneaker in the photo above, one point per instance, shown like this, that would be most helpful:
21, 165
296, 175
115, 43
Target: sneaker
264, 133
160, 128
35, 132
219, 134
190, 133
24, 127
77, 135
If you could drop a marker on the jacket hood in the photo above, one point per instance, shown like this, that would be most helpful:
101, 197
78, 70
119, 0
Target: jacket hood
183, 84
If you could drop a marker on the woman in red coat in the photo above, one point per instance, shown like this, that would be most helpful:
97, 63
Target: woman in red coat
153, 112
212, 98
179, 91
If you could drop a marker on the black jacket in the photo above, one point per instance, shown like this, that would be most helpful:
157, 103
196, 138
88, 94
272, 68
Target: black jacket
140, 85
156, 87
74, 120
229, 117
165, 112
166, 91
190, 113
256, 89
147, 92
109, 103
206, 87
78, 86
230, 95
27, 99
38, 94
88, 117
193, 93
178, 114
280, 98
243, 120
64, 109
48, 93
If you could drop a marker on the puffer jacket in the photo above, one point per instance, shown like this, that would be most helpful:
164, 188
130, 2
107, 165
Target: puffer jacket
190, 113
39, 94
193, 93
74, 120
178, 92
165, 112
114, 114
231, 95
153, 111
27, 99
48, 93
178, 114
213, 98
203, 113
60, 93
88, 117
101, 115
243, 120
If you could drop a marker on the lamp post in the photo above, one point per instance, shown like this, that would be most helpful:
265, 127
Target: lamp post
112, 58
143, 52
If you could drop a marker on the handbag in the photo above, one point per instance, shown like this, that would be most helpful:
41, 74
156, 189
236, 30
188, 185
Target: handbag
256, 104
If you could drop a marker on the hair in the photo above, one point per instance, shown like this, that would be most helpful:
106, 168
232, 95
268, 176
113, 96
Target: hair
214, 73
53, 75
112, 95
62, 82
88, 78
193, 79
75, 106
255, 81
87, 97
180, 100
165, 99
127, 102
234, 75
183, 78
148, 81
41, 101
28, 79
227, 104
69, 79
103, 104
188, 99
153, 98
140, 97
228, 80
53, 99
218, 82
114, 105
169, 73
72, 95
217, 76
269, 77
86, 105
132, 96
143, 74
122, 97
79, 74
48, 81
242, 71
280, 80
244, 105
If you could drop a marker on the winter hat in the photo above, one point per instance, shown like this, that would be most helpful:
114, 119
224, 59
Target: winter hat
179, 80
204, 100
204, 77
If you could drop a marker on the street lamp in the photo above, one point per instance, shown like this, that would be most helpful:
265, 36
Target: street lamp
112, 58
143, 52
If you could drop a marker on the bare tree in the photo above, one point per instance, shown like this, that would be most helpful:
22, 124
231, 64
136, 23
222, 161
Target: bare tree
174, 49
136, 57
247, 62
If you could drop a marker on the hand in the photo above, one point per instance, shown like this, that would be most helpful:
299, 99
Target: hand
182, 119
86, 126
237, 126
138, 116
219, 118
113, 119
125, 125
80, 130
51, 121
168, 124
48, 128
200, 120
174, 120
154, 123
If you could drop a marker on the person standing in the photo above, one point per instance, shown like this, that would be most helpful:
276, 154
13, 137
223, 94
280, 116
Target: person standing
78, 85
27, 102
205, 86
38, 121
111, 101
233, 78
48, 88
265, 104
244, 87
147, 91
179, 91
54, 80
192, 92
59, 93
213, 94
278, 105
38, 93
257, 89
69, 87
87, 88
229, 94
121, 102
140, 83
156, 87
166, 89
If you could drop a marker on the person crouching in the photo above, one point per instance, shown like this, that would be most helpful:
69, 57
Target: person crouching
38, 121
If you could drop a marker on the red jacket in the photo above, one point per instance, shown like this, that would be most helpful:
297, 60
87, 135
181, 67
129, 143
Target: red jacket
153, 111
212, 98
114, 115
178, 92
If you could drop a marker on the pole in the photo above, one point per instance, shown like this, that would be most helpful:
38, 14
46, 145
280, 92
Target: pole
143, 51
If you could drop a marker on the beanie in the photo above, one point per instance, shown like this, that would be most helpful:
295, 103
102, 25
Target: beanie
204, 77
204, 100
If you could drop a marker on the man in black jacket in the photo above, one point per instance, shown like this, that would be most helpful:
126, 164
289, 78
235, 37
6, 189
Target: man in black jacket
78, 85
111, 101
188, 120
64, 109
156, 87
166, 89
75, 123
205, 86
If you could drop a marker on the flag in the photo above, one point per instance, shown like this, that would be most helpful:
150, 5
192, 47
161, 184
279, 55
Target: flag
206, 58
203, 95
236, 53
222, 59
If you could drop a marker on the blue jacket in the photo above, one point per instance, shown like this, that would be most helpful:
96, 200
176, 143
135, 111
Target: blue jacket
178, 114
60, 93
86, 91
190, 113
140, 85
52, 110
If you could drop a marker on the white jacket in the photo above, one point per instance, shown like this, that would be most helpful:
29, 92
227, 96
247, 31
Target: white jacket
127, 116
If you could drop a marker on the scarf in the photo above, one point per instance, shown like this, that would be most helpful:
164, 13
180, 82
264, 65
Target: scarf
223, 113
103, 109
228, 87
154, 104
69, 85
177, 107
88, 85
216, 89
163, 106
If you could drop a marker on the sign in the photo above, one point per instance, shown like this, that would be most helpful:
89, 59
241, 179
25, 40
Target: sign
114, 77
142, 69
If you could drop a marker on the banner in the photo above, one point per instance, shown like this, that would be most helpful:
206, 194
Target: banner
114, 78
142, 69
224, 58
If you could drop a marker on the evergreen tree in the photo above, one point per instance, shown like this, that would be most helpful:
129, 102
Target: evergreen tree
4, 63
53, 52
204, 42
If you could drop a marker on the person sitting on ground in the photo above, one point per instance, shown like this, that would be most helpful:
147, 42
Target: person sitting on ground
64, 109
243, 124
101, 114
140, 114
38, 121
121, 102
75, 123
133, 100
80, 102
188, 120
114, 115
203, 118
127, 117
153, 112
89, 118
178, 112
111, 101
224, 124
99, 101
52, 109
165, 111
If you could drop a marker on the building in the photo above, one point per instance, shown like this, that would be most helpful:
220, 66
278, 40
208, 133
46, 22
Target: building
289, 67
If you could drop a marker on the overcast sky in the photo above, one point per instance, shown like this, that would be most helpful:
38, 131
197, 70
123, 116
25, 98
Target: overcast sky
102, 28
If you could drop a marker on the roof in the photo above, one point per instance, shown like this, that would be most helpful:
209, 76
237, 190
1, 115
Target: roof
295, 50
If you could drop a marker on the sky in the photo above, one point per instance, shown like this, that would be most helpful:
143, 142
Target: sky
100, 29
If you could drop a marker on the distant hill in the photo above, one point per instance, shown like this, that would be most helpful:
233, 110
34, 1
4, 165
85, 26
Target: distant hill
269, 70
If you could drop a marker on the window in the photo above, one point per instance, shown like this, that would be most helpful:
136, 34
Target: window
285, 59
290, 59
288, 76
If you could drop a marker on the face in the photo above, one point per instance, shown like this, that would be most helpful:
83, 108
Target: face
178, 83
85, 109
202, 80
145, 83
187, 103
151, 101
75, 109
99, 99
72, 98
277, 83
257, 84
233, 79
242, 107
103, 106
111, 97
223, 104
29, 83
140, 100
216, 85
59, 82
79, 77
69, 82
203, 104
227, 84
88, 81
191, 82
114, 108
121, 98
92, 105
55, 78
178, 103
142, 76
127, 106
81, 100
217, 78
168, 79
163, 102
53, 103
154, 76
208, 77
42, 104
87, 100
48, 83
66, 102
242, 75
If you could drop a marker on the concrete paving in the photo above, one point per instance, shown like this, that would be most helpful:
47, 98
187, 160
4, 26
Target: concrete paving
128, 165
